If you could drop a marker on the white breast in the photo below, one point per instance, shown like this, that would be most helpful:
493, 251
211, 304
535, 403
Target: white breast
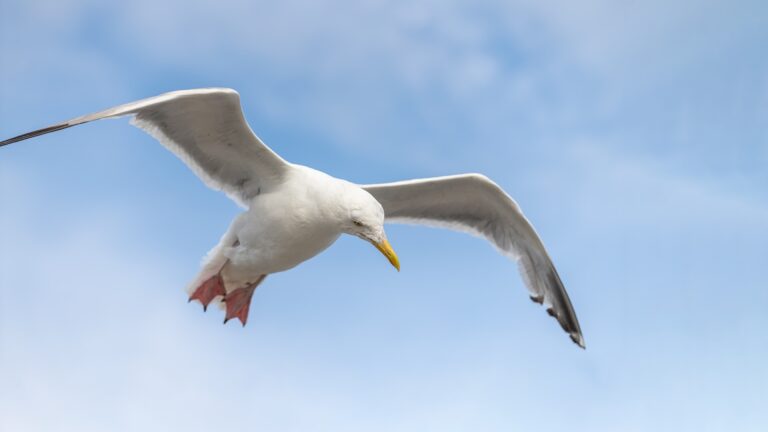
283, 228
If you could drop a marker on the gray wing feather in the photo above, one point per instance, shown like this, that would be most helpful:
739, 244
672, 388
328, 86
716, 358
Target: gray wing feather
206, 129
474, 204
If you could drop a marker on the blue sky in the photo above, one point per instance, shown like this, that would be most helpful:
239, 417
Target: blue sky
633, 134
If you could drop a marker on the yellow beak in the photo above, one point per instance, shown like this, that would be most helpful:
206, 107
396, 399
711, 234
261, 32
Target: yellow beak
385, 248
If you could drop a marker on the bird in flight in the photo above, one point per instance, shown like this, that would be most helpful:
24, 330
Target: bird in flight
294, 212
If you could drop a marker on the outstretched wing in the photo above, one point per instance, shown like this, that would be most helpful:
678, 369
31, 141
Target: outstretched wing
475, 204
206, 129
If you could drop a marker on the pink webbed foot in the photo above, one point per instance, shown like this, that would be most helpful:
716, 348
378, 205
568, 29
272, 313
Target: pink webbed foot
209, 290
238, 302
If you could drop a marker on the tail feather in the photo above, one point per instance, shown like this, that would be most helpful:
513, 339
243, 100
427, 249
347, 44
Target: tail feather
214, 261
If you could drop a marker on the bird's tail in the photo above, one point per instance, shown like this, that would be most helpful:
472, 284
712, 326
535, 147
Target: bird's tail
214, 262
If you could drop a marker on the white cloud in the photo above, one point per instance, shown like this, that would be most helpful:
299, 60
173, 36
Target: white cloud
432, 77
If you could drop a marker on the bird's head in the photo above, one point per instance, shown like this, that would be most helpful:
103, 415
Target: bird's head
363, 217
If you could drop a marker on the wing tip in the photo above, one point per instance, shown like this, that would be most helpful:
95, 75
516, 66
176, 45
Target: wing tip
35, 133
578, 339
573, 332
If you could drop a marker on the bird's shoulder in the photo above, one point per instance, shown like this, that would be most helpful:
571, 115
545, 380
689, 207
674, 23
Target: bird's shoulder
302, 185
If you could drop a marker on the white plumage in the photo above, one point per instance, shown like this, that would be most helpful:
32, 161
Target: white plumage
294, 212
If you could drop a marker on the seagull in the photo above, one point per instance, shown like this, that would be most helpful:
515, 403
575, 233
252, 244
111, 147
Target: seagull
293, 212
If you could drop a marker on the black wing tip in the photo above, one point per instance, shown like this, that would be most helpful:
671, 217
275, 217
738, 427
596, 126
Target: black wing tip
563, 313
35, 133
578, 339
572, 328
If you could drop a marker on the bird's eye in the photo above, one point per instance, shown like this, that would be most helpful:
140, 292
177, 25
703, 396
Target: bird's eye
357, 222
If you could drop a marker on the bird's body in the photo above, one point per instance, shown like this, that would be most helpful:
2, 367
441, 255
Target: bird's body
290, 225
295, 212
283, 227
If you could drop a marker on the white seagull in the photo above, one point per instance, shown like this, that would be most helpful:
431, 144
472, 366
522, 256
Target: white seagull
294, 212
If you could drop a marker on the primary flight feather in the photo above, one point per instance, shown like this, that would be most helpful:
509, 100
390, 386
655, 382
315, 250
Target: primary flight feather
294, 212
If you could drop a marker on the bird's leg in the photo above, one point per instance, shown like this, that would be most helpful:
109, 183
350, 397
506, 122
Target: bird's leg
208, 290
238, 301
